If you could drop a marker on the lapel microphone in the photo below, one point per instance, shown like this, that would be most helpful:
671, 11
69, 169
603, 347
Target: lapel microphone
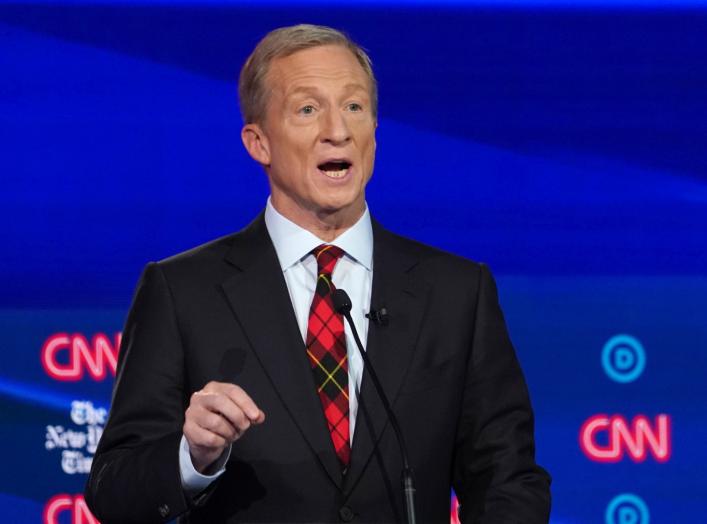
378, 316
342, 304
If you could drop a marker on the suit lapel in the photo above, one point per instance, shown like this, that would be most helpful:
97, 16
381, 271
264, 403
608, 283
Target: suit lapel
258, 296
389, 348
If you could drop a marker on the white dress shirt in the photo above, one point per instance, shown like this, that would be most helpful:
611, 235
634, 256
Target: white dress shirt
353, 273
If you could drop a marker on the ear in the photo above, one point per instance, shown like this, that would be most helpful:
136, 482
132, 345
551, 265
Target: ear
256, 143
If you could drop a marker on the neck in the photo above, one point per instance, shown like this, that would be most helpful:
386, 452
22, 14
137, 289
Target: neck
325, 225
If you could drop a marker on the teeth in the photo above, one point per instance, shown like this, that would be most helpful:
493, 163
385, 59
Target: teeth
335, 174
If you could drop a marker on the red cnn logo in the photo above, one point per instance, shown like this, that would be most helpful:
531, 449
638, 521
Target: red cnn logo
66, 357
634, 439
74, 504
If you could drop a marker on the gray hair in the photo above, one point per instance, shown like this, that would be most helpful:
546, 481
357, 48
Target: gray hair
283, 42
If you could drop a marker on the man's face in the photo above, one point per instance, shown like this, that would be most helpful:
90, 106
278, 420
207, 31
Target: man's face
317, 141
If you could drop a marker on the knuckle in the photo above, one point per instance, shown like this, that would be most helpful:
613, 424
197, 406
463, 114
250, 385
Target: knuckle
211, 386
212, 420
214, 441
232, 433
198, 397
221, 402
232, 390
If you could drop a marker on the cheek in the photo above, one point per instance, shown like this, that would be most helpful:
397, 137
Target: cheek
299, 151
368, 139
291, 157
369, 152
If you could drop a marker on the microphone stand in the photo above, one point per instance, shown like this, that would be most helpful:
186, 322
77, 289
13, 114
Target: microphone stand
342, 304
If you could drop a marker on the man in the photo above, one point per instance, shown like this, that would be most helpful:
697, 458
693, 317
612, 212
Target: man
241, 397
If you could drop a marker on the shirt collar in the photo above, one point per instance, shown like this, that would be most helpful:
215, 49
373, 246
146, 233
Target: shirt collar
293, 243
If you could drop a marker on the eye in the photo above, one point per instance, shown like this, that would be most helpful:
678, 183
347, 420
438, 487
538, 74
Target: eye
354, 107
307, 110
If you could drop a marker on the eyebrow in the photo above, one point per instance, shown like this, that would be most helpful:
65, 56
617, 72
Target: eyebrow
302, 89
352, 86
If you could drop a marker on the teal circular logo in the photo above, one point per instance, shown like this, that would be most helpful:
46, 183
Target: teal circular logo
627, 508
623, 358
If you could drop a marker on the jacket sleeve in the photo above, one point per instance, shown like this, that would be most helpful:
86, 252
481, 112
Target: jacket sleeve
495, 475
135, 472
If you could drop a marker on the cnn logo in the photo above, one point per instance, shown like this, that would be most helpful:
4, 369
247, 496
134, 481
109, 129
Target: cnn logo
68, 357
607, 439
72, 506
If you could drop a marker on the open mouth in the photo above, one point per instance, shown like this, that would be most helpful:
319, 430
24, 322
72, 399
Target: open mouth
335, 168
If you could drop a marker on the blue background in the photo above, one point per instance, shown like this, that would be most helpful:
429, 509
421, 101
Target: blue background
563, 143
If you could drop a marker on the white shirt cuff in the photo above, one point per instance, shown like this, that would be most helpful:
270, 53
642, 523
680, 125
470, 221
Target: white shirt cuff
194, 482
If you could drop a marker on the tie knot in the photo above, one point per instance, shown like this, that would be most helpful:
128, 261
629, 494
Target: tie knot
327, 256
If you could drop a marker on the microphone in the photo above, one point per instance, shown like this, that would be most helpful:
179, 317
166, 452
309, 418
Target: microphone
342, 304
378, 316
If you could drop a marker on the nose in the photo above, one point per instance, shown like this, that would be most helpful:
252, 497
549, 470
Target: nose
335, 128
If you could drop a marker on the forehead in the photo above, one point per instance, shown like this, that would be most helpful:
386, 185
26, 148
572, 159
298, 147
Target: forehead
316, 67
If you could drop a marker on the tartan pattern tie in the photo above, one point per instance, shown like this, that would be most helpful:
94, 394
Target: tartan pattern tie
326, 349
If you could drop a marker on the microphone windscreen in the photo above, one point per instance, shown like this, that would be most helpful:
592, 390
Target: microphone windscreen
342, 302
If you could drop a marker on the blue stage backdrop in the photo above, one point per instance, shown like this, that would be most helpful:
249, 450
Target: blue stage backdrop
563, 143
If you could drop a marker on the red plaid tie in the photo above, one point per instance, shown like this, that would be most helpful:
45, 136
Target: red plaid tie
326, 348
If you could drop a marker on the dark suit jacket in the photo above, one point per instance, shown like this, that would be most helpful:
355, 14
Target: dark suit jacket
222, 312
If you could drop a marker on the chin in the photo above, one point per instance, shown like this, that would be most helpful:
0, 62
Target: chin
333, 206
